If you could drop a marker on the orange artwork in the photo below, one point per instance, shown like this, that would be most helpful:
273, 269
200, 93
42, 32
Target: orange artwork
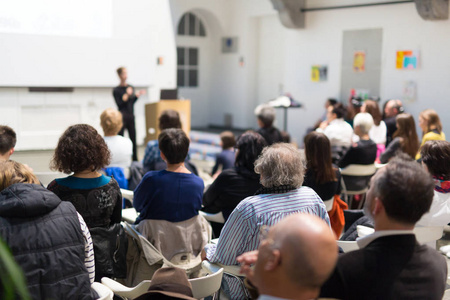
359, 61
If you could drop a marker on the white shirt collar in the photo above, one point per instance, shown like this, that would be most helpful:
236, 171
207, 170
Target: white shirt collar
267, 297
364, 241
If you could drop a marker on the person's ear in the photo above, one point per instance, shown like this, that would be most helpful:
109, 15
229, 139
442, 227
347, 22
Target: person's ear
273, 261
11, 151
162, 156
378, 206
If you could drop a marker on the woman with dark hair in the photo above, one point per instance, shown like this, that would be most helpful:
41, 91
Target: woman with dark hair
320, 175
377, 132
431, 127
96, 197
436, 160
233, 185
405, 138
47, 237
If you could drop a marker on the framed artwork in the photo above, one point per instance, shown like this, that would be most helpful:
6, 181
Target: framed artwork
407, 59
359, 61
319, 73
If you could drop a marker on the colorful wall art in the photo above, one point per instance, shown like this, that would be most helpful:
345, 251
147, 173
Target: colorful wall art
319, 73
407, 59
359, 61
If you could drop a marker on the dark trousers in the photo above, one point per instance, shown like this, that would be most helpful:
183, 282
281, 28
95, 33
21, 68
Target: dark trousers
129, 125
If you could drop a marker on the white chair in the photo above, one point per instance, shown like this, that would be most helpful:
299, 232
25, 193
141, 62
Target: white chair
356, 171
234, 272
127, 194
201, 287
329, 203
103, 292
218, 217
348, 246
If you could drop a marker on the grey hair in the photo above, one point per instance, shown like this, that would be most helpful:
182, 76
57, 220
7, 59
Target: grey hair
364, 121
266, 114
281, 164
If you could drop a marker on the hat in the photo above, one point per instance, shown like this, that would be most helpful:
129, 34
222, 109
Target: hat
171, 282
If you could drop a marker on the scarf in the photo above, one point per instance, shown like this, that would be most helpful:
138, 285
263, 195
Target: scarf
281, 189
441, 186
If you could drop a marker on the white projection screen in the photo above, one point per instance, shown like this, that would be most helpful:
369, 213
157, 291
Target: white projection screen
74, 43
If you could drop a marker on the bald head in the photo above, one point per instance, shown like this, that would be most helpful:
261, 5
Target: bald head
392, 108
306, 249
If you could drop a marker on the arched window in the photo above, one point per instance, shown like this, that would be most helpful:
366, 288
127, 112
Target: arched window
191, 25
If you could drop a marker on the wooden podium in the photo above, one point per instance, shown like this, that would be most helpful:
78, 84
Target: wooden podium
154, 110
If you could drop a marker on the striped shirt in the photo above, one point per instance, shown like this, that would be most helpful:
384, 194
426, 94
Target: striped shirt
89, 260
240, 233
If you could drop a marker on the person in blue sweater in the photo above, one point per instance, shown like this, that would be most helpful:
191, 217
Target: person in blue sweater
225, 159
174, 194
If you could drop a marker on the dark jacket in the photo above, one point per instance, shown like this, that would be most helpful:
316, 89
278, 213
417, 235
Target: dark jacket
390, 267
45, 238
271, 134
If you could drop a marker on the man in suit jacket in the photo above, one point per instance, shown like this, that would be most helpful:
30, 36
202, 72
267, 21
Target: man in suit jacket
391, 264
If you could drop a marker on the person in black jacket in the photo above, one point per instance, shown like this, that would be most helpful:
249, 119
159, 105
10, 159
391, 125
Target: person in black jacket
266, 116
235, 184
44, 235
390, 263
125, 97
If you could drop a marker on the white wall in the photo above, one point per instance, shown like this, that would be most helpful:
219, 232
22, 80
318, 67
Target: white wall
320, 42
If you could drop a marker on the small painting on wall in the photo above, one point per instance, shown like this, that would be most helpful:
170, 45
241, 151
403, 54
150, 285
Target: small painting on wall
359, 61
407, 59
229, 45
319, 73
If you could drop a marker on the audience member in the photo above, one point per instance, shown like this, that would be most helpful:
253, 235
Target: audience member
405, 138
266, 116
328, 103
121, 148
7, 142
337, 131
168, 283
238, 183
169, 201
379, 130
391, 109
225, 159
173, 194
431, 127
363, 152
436, 160
293, 260
83, 152
320, 175
47, 237
152, 158
386, 266
282, 170
125, 97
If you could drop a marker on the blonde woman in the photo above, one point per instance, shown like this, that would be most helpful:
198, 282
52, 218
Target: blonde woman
431, 127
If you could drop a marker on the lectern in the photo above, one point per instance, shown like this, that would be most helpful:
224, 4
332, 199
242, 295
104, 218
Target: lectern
154, 110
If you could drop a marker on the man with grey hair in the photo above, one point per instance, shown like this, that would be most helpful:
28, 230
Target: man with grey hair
293, 260
281, 168
392, 108
266, 116
391, 264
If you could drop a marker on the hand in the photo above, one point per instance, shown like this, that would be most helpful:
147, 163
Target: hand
247, 260
125, 97
323, 125
130, 90
141, 93
203, 255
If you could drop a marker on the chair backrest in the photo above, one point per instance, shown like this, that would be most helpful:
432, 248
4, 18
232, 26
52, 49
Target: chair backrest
127, 194
348, 246
329, 203
428, 234
201, 287
218, 217
207, 285
103, 291
359, 170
